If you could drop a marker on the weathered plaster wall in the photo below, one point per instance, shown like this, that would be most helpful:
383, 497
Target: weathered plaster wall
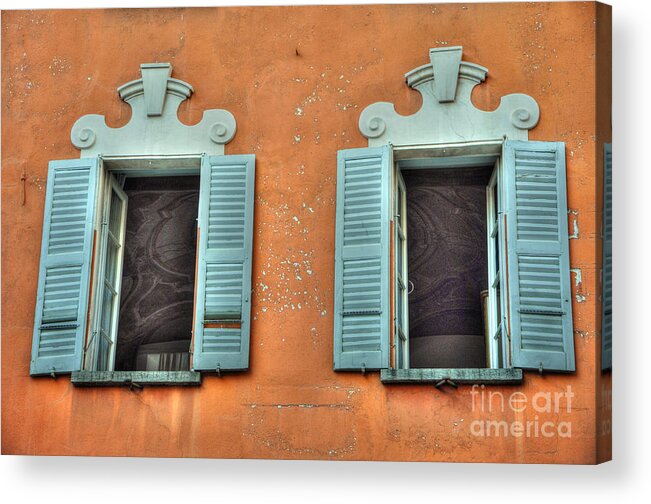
296, 79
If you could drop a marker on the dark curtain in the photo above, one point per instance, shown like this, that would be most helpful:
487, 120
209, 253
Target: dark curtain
446, 223
159, 264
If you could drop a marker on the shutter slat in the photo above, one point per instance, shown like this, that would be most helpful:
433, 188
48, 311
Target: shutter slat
224, 271
538, 256
66, 249
607, 267
362, 260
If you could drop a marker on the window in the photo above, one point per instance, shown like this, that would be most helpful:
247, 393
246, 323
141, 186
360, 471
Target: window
451, 243
147, 245
449, 265
493, 223
144, 288
87, 228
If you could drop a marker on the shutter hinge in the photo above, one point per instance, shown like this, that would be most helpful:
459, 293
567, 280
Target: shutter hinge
218, 370
540, 368
53, 373
363, 367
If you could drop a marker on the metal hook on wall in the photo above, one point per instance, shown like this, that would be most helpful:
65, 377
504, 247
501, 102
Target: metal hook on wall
23, 178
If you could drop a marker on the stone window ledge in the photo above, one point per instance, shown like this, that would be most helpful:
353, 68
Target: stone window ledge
507, 376
135, 379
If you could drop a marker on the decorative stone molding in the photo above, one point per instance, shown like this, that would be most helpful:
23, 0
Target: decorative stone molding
154, 128
448, 114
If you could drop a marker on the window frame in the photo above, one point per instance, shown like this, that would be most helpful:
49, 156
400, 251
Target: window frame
455, 156
120, 168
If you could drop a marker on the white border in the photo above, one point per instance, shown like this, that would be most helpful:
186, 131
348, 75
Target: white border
68, 479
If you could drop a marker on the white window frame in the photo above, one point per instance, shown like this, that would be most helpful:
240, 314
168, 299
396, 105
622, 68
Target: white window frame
459, 156
112, 168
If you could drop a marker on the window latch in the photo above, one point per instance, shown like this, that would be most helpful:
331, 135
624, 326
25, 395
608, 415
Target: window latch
90, 341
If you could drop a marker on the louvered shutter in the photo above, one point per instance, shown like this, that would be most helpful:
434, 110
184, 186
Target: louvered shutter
361, 336
66, 251
223, 298
538, 257
607, 272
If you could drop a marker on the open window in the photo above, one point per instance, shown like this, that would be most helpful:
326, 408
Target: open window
449, 254
453, 266
144, 287
146, 254
164, 256
451, 244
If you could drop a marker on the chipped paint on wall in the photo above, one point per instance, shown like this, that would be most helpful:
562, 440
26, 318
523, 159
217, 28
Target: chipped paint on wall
574, 224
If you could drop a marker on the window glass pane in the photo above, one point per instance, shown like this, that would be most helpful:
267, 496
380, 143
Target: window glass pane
115, 211
111, 266
107, 302
496, 241
103, 353
498, 304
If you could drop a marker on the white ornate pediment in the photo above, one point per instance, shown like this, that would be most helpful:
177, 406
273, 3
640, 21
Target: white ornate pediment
154, 128
448, 114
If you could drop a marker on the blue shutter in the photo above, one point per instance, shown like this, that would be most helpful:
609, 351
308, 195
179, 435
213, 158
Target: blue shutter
223, 298
64, 276
607, 271
538, 256
361, 334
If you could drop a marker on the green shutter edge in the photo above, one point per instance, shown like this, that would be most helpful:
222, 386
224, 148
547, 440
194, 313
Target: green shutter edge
72, 361
215, 361
551, 358
371, 359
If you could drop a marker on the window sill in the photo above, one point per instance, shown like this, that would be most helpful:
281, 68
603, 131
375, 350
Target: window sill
135, 378
508, 376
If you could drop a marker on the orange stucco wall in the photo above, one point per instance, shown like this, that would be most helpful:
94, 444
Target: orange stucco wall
296, 79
